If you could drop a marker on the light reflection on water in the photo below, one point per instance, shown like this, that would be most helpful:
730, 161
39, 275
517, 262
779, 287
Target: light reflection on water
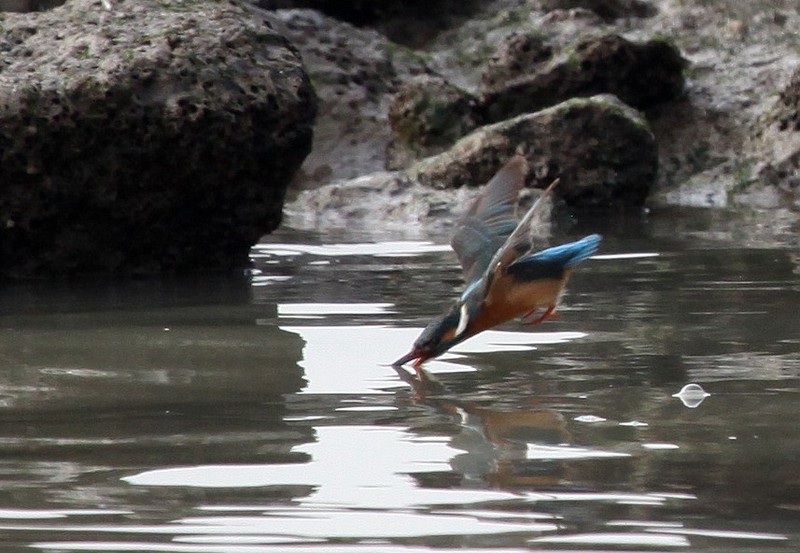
267, 418
339, 359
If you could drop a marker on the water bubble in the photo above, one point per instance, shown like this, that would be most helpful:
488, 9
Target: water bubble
692, 395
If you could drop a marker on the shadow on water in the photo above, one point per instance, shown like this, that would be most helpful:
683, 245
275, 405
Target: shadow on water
232, 416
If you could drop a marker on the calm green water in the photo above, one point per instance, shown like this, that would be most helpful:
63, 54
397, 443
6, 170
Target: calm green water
244, 416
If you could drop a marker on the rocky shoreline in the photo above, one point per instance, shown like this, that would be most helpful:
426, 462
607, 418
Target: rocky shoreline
153, 137
716, 85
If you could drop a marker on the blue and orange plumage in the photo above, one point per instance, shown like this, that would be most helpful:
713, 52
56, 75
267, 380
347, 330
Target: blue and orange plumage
505, 277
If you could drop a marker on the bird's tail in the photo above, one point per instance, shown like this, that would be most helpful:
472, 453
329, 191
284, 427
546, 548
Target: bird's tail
574, 252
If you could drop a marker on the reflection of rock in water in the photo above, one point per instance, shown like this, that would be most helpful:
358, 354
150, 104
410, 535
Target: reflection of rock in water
140, 375
134, 356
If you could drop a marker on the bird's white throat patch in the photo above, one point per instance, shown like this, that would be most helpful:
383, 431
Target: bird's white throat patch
463, 320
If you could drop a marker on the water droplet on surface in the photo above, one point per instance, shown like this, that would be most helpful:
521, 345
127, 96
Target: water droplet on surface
692, 395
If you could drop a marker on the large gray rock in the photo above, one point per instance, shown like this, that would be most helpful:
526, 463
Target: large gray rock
520, 53
155, 137
602, 150
355, 74
410, 22
525, 75
427, 115
779, 139
28, 5
609, 10
740, 56
641, 74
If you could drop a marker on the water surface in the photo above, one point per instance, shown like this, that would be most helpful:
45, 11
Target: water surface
243, 415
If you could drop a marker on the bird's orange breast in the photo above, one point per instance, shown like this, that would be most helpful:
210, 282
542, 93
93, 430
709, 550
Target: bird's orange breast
509, 298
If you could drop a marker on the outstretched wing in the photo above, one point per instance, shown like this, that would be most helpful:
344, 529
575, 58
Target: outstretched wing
520, 242
490, 220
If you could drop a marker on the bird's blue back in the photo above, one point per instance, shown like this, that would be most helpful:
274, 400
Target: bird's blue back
552, 262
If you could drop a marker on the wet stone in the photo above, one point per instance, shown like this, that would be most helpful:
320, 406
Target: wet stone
427, 115
641, 74
609, 10
602, 150
136, 140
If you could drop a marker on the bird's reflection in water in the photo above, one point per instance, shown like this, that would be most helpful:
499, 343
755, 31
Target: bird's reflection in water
496, 443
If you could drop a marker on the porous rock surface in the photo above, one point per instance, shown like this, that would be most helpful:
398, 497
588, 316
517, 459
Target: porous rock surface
392, 18
722, 137
355, 73
609, 10
525, 75
778, 137
155, 137
426, 116
601, 149
641, 74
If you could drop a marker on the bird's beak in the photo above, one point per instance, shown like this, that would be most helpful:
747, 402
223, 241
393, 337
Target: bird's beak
415, 354
405, 359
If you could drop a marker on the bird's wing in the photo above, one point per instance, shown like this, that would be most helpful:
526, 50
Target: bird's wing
552, 262
520, 241
490, 220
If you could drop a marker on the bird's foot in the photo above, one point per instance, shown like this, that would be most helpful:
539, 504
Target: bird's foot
548, 314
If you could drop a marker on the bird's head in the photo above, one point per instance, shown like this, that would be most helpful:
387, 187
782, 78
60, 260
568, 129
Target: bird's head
439, 336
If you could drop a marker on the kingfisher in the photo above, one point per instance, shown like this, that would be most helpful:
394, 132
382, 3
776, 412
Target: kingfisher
505, 276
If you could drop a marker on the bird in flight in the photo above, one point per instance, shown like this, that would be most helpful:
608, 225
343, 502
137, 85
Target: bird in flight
505, 277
